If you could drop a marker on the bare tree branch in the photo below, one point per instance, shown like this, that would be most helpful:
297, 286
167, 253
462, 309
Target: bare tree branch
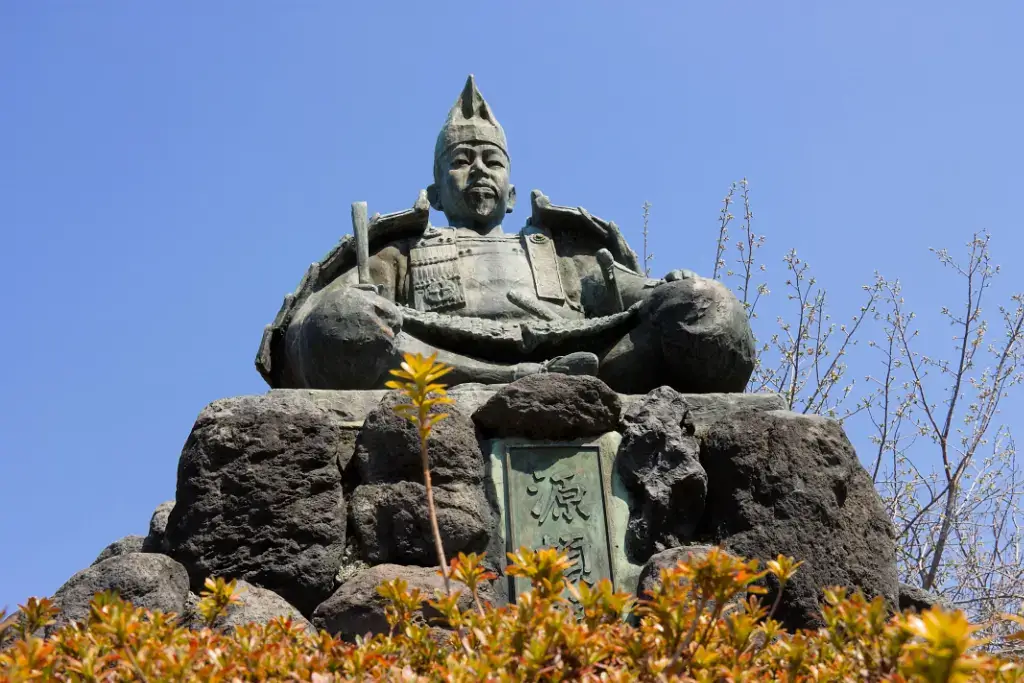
927, 418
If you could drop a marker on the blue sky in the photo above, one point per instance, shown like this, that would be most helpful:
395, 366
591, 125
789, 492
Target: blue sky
168, 171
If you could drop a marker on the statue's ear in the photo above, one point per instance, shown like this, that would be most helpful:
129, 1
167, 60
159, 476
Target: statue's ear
434, 197
511, 199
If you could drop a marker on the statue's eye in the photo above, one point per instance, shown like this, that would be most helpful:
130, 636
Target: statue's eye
460, 162
496, 163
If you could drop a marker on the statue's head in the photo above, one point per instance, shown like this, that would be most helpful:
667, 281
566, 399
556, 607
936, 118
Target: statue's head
471, 165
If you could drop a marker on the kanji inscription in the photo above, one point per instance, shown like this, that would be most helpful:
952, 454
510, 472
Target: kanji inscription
562, 499
574, 547
554, 498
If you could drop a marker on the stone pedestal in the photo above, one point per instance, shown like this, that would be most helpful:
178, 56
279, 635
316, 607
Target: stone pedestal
301, 492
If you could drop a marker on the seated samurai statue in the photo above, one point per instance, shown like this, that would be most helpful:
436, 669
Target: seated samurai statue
563, 294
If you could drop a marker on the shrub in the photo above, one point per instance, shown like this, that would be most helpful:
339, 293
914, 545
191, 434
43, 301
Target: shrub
704, 622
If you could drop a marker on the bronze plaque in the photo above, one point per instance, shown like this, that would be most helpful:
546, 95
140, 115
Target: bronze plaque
554, 497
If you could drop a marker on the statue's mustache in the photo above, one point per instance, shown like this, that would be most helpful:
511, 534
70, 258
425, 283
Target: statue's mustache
482, 185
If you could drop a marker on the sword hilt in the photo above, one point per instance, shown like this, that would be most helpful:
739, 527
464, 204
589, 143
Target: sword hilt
360, 228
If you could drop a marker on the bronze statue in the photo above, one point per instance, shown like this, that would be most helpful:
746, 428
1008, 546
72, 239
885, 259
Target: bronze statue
561, 295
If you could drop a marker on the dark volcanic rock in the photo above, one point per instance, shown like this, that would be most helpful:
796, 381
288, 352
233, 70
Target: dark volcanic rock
391, 523
659, 462
122, 546
388, 448
779, 482
346, 447
706, 409
650, 575
156, 539
917, 599
258, 606
356, 608
259, 497
148, 580
387, 507
551, 406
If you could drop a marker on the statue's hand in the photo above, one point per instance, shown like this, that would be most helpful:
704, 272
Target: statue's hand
577, 363
680, 274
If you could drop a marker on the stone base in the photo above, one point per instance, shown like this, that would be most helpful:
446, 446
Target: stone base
282, 490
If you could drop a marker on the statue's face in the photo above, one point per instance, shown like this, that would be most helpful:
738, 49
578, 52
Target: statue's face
473, 187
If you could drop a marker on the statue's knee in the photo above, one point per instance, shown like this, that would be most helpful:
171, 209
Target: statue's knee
705, 333
343, 338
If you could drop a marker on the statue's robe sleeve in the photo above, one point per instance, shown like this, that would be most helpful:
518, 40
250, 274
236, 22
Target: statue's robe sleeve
389, 269
578, 263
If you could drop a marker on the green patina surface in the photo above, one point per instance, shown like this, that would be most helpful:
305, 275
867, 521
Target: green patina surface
565, 495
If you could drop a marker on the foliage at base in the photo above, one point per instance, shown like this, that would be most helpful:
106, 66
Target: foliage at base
704, 623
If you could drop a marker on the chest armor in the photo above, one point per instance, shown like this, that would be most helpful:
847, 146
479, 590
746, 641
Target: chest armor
450, 271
